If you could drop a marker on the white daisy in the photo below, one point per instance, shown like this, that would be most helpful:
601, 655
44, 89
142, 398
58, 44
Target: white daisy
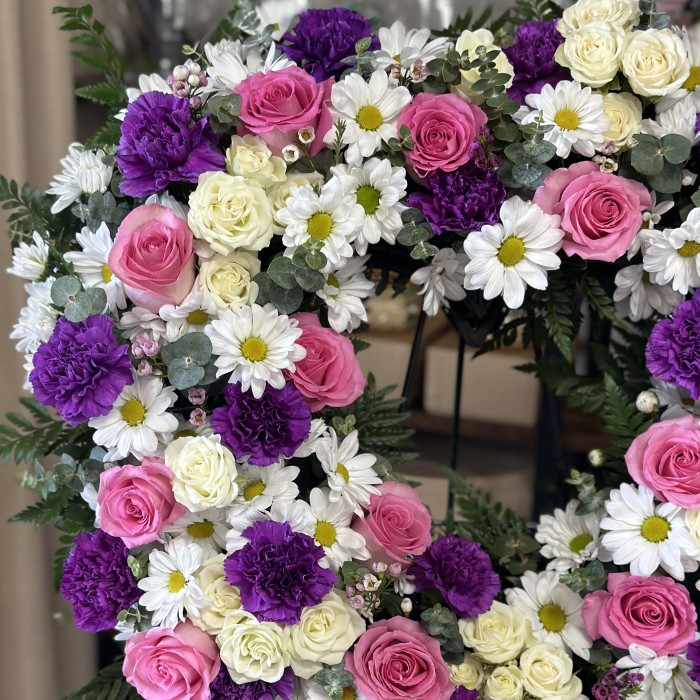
147, 83
652, 218
171, 588
677, 399
378, 187
37, 319
254, 344
646, 536
83, 173
506, 258
343, 294
370, 111
207, 529
240, 518
91, 265
193, 315
351, 477
263, 486
139, 423
401, 48
29, 261
641, 296
442, 281
139, 321
318, 430
331, 217
576, 115
554, 611
676, 119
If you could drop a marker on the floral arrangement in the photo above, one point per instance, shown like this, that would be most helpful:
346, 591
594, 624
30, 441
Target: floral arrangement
225, 477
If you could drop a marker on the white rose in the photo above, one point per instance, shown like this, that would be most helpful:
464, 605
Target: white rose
498, 635
230, 212
252, 650
228, 279
625, 114
623, 13
504, 683
323, 634
692, 521
593, 53
280, 191
224, 597
548, 673
655, 62
469, 674
249, 157
204, 472
470, 41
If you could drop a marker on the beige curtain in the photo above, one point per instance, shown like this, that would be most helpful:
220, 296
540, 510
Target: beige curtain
42, 656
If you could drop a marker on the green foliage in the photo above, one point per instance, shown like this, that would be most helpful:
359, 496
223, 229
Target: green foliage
661, 160
31, 210
109, 684
465, 22
586, 579
534, 11
562, 318
223, 112
101, 209
334, 680
241, 22
189, 361
441, 624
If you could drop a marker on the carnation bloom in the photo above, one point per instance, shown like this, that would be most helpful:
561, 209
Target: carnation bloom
223, 687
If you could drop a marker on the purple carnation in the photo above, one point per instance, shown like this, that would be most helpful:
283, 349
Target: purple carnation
223, 687
82, 369
532, 58
463, 694
463, 200
321, 39
461, 571
97, 581
263, 429
160, 144
693, 655
673, 349
278, 572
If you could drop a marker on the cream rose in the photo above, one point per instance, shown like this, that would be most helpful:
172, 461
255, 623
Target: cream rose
548, 673
593, 53
224, 597
228, 279
655, 62
204, 472
623, 13
498, 635
469, 674
230, 212
249, 157
323, 635
692, 521
280, 191
625, 114
504, 683
470, 41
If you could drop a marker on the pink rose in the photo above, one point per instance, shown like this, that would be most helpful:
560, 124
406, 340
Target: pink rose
276, 104
397, 660
330, 374
444, 129
172, 664
153, 256
136, 503
653, 611
666, 459
600, 212
396, 524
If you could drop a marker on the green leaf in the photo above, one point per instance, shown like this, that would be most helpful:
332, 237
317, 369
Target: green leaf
309, 280
286, 301
65, 289
98, 299
422, 251
315, 259
645, 156
109, 684
79, 308
183, 374
193, 348
669, 180
262, 279
676, 148
412, 234
281, 272
530, 175
104, 93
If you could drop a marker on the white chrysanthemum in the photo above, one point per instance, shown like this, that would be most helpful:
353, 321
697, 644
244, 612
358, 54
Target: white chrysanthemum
29, 260
171, 589
139, 423
261, 487
378, 187
83, 173
677, 400
640, 297
138, 321
207, 529
645, 536
255, 343
240, 517
91, 264
506, 258
554, 611
442, 281
37, 319
332, 217
318, 430
575, 114
568, 539
370, 111
193, 315
343, 294
147, 83
673, 255
351, 476
402, 48
676, 119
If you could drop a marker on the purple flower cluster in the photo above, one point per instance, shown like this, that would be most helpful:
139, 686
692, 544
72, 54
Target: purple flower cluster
461, 571
614, 686
465, 199
160, 144
97, 581
321, 39
81, 370
532, 58
262, 429
278, 572
223, 687
463, 694
673, 349
693, 655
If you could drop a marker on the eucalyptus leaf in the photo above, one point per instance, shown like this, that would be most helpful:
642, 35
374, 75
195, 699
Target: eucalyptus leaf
421, 251
183, 374
315, 259
194, 347
286, 301
412, 215
64, 289
79, 308
669, 180
309, 280
676, 148
98, 299
262, 279
530, 175
411, 234
281, 272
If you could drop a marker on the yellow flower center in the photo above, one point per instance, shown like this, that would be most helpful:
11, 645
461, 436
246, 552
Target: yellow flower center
343, 471
185, 433
200, 531
133, 412
689, 249
106, 274
348, 694
369, 118
655, 529
253, 490
176, 582
197, 317
512, 251
552, 618
254, 349
325, 533
580, 542
693, 80
320, 225
567, 119
368, 198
